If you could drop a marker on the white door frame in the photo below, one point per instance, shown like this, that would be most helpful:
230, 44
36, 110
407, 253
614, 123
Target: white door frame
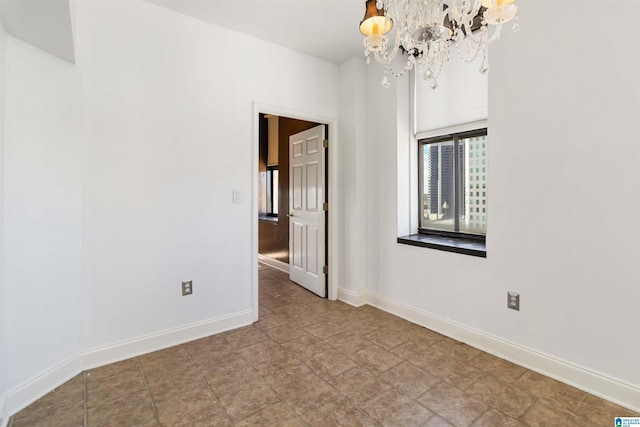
332, 229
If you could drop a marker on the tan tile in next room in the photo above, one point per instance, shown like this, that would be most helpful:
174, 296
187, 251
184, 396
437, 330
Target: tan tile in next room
409, 379
452, 404
393, 408
163, 360
375, 358
131, 410
602, 412
493, 418
187, 408
243, 402
340, 412
271, 321
359, 385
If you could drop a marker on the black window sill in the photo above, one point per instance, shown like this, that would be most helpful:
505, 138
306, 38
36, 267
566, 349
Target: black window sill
459, 245
268, 218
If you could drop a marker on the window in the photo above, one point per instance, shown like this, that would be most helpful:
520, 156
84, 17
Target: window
446, 184
272, 191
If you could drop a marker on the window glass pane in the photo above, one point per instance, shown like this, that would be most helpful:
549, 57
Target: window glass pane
469, 148
438, 186
269, 191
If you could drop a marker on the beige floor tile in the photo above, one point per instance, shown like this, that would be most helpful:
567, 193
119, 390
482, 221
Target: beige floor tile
134, 409
67, 394
600, 411
187, 408
558, 394
437, 421
409, 379
324, 330
454, 371
499, 368
289, 366
126, 366
243, 402
419, 354
386, 338
509, 400
174, 382
493, 418
246, 336
230, 376
264, 351
359, 385
453, 404
393, 408
339, 412
54, 415
543, 414
286, 333
306, 346
457, 350
113, 387
348, 342
277, 414
303, 393
329, 364
375, 358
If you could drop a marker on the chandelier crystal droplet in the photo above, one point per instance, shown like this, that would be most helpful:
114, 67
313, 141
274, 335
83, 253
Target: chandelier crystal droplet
427, 31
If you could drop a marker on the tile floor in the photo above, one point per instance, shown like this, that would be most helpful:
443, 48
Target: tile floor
312, 362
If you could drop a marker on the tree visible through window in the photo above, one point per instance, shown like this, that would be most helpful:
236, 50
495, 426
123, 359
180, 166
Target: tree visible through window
453, 182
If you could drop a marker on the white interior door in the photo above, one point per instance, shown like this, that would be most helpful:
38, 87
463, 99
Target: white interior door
306, 213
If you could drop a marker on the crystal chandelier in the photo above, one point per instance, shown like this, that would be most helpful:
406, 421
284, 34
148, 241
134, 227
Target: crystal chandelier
427, 31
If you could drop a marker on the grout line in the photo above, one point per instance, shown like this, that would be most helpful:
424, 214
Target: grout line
146, 387
575, 409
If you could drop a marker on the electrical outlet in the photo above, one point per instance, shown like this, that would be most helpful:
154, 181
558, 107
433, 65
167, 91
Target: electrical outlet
187, 288
513, 301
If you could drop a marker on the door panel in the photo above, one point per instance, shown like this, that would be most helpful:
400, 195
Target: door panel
306, 216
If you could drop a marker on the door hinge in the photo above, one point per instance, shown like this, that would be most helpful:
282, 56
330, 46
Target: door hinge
325, 206
325, 269
325, 143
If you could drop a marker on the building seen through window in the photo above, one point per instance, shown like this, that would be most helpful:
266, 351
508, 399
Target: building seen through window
454, 183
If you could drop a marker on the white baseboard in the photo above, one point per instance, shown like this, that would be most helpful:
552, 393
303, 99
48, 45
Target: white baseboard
608, 388
23, 395
278, 265
356, 299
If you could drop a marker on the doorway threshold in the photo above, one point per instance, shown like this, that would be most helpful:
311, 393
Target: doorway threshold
278, 265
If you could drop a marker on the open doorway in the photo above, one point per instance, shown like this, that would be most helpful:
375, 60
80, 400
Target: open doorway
292, 199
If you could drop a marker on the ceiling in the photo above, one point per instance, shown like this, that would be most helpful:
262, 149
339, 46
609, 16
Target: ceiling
326, 29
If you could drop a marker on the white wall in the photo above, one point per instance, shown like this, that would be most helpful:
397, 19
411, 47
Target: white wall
564, 178
3, 380
168, 117
353, 156
42, 212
